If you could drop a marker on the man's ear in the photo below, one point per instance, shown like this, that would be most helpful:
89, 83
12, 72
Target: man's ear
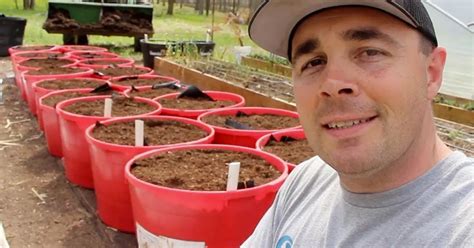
435, 67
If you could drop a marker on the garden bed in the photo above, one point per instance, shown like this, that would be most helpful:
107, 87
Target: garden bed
277, 92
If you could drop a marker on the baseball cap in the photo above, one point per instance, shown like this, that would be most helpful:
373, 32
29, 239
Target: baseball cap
272, 25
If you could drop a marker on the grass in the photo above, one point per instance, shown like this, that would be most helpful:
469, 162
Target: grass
185, 24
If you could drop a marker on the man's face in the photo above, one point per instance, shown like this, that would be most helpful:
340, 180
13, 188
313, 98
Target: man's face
360, 82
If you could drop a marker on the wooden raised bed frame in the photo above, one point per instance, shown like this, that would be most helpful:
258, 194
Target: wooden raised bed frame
254, 98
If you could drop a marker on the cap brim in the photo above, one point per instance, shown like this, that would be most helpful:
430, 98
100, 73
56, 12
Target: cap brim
274, 20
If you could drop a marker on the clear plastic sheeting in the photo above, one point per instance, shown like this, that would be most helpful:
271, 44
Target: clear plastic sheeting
454, 34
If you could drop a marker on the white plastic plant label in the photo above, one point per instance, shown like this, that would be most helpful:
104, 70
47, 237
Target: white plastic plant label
147, 239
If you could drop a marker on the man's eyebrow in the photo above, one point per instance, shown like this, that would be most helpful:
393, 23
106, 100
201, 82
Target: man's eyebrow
305, 47
368, 33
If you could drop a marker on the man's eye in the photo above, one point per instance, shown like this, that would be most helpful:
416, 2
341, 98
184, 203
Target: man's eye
372, 52
313, 63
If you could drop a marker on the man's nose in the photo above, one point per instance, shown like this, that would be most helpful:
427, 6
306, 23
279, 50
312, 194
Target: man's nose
339, 81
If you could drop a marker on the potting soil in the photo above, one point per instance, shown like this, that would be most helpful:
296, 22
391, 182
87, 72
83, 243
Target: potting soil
295, 151
53, 100
63, 84
55, 71
203, 170
93, 55
104, 62
121, 107
156, 132
152, 93
42, 55
122, 71
254, 122
48, 62
140, 81
193, 103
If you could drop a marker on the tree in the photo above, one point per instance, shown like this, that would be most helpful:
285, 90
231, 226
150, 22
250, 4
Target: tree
199, 6
170, 7
28, 4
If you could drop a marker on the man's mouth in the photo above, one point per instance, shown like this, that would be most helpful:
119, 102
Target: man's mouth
347, 124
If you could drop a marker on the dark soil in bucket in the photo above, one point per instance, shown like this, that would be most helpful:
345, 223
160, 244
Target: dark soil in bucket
53, 100
129, 81
152, 93
156, 132
253, 122
42, 55
49, 62
33, 48
203, 170
55, 71
93, 55
122, 106
292, 151
193, 103
63, 84
104, 62
122, 71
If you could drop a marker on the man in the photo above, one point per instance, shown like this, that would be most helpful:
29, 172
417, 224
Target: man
365, 74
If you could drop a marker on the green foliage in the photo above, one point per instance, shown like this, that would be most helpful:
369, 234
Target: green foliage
453, 134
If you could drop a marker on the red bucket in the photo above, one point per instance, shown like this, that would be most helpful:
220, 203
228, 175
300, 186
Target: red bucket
48, 116
30, 48
72, 48
240, 137
117, 85
216, 218
39, 92
297, 134
76, 156
92, 63
84, 55
21, 56
108, 164
194, 113
30, 79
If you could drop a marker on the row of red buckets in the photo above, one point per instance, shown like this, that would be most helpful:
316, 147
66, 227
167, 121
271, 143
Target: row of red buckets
224, 219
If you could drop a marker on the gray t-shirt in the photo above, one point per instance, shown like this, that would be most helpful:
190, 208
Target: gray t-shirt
312, 209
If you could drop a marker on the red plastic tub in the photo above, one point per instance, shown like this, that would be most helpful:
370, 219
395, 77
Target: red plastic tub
297, 134
76, 156
89, 63
72, 48
48, 116
30, 48
83, 55
240, 137
39, 92
216, 218
108, 165
21, 56
116, 81
30, 79
194, 113
20, 68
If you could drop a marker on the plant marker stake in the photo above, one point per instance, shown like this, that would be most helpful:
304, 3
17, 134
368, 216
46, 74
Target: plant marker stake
139, 133
108, 107
145, 37
233, 176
